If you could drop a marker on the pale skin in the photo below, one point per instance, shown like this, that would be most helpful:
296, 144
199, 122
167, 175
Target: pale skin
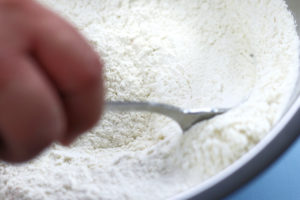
51, 87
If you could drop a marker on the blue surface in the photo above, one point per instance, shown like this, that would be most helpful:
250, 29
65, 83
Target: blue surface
281, 181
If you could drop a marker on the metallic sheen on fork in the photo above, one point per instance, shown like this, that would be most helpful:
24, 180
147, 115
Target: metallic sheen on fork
184, 117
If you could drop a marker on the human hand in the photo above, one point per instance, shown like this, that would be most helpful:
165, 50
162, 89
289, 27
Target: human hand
50, 81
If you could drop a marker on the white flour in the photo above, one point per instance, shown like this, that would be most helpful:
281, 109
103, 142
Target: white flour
188, 53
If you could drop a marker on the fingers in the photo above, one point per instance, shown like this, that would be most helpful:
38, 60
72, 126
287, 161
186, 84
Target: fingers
74, 68
31, 114
54, 96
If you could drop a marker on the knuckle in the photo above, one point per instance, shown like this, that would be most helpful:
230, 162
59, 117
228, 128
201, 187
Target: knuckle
90, 121
10, 2
27, 153
13, 4
23, 152
20, 146
90, 78
81, 122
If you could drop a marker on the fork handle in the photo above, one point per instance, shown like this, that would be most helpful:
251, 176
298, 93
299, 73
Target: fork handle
185, 118
159, 108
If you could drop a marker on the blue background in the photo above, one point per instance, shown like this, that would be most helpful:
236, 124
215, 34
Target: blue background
281, 181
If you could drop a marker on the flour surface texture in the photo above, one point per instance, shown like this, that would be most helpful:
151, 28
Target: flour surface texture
192, 54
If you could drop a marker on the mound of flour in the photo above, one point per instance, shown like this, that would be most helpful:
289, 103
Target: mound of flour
187, 53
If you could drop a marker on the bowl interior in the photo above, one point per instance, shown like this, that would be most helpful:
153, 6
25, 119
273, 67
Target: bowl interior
263, 154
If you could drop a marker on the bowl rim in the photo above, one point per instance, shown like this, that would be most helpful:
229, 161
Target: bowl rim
284, 133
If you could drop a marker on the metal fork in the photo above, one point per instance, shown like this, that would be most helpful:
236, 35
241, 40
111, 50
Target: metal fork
184, 117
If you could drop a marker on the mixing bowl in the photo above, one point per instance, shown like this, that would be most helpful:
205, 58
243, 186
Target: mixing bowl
283, 134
